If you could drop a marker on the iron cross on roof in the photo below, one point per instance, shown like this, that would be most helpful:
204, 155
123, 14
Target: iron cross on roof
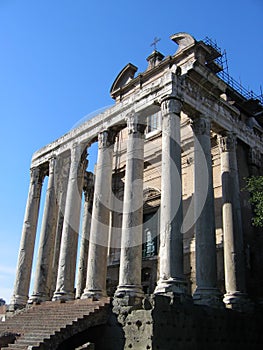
154, 43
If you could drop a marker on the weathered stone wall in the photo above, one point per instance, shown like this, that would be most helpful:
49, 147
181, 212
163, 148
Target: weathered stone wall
167, 324
171, 325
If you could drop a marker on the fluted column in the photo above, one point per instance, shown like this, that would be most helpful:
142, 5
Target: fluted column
99, 231
43, 274
206, 291
171, 237
26, 251
234, 262
84, 242
69, 240
131, 241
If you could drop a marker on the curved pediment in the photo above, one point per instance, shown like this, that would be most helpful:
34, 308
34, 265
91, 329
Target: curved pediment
125, 75
184, 40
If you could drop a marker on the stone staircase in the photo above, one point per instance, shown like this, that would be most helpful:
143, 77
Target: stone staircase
47, 325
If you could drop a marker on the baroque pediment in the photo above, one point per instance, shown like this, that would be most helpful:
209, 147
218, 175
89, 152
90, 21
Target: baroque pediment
123, 78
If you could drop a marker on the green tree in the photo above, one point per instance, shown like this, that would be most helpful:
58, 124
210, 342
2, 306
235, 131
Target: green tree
254, 185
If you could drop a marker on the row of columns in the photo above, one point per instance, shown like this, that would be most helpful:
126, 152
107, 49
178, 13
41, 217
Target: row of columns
96, 230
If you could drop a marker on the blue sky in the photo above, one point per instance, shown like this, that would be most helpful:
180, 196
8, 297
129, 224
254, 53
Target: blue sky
58, 59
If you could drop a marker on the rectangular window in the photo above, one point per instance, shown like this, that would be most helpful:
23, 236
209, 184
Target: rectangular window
153, 123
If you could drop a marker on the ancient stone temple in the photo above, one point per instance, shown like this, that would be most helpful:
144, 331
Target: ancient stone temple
168, 257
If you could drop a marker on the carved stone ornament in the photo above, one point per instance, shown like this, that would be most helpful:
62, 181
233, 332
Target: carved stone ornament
255, 157
171, 105
227, 142
106, 138
133, 125
201, 126
52, 164
36, 174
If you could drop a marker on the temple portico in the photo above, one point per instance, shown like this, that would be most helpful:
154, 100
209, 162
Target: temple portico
159, 135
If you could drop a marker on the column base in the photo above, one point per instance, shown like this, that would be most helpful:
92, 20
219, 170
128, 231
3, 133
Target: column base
208, 297
63, 296
38, 298
17, 302
94, 294
129, 295
171, 285
238, 301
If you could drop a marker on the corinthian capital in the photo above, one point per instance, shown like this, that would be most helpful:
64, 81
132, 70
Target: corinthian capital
52, 164
201, 126
36, 174
171, 105
133, 124
106, 138
227, 142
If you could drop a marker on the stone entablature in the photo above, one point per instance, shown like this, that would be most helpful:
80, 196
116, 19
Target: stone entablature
197, 121
198, 89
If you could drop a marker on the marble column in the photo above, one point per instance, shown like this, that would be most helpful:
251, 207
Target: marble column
63, 175
206, 292
43, 273
99, 231
26, 251
129, 287
232, 224
69, 240
84, 242
171, 237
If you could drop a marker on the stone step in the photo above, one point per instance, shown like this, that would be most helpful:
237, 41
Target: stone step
40, 318
54, 311
39, 323
74, 304
39, 333
17, 346
31, 341
32, 324
59, 306
57, 315
44, 312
